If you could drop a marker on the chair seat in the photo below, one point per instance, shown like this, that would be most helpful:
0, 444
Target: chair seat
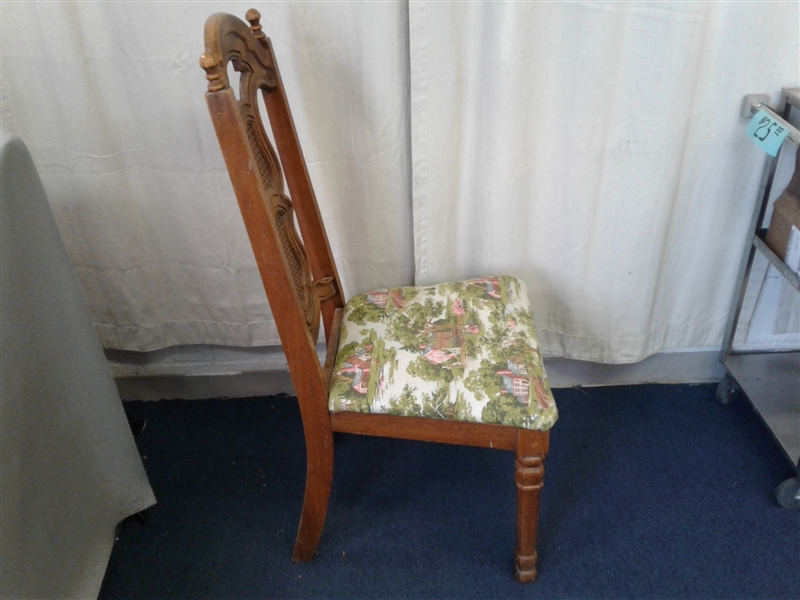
463, 351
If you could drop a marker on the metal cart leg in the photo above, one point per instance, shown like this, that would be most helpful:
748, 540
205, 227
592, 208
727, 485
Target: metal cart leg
728, 390
788, 494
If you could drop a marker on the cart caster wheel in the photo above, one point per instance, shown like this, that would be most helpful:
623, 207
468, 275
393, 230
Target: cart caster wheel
788, 494
727, 390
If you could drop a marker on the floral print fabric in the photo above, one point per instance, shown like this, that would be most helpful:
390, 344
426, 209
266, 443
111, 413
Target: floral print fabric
464, 351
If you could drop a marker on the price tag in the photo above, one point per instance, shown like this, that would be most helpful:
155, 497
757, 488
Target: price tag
766, 132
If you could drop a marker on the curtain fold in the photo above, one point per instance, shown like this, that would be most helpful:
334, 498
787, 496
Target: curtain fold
594, 149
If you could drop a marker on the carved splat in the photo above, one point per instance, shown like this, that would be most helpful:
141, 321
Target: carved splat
250, 53
297, 260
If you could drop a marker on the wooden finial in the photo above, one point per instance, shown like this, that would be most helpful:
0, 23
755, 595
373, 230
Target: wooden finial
254, 17
217, 78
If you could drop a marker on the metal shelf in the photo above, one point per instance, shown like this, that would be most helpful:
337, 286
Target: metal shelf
771, 380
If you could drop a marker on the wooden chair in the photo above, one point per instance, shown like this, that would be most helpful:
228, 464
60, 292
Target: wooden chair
416, 363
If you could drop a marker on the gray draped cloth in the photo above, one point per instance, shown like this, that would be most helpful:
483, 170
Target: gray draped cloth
70, 470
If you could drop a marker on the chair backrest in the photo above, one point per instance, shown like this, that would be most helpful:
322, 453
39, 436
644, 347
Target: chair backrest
299, 274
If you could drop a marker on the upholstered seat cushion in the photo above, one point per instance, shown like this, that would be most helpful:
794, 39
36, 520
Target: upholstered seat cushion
463, 351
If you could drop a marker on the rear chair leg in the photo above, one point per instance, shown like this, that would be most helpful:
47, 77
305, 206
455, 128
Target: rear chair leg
528, 475
319, 475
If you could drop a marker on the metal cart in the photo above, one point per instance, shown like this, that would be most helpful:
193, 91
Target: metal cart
771, 380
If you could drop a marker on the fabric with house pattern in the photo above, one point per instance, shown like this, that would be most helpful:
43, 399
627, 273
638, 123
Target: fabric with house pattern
463, 351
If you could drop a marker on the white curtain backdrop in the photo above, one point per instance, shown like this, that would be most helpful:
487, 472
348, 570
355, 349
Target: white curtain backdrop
109, 98
592, 148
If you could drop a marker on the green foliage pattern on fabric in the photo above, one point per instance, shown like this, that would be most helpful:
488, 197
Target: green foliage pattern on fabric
463, 351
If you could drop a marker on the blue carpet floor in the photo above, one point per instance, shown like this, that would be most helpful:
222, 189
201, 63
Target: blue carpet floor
654, 491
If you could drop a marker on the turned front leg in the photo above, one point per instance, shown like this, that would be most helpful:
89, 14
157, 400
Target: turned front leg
529, 474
